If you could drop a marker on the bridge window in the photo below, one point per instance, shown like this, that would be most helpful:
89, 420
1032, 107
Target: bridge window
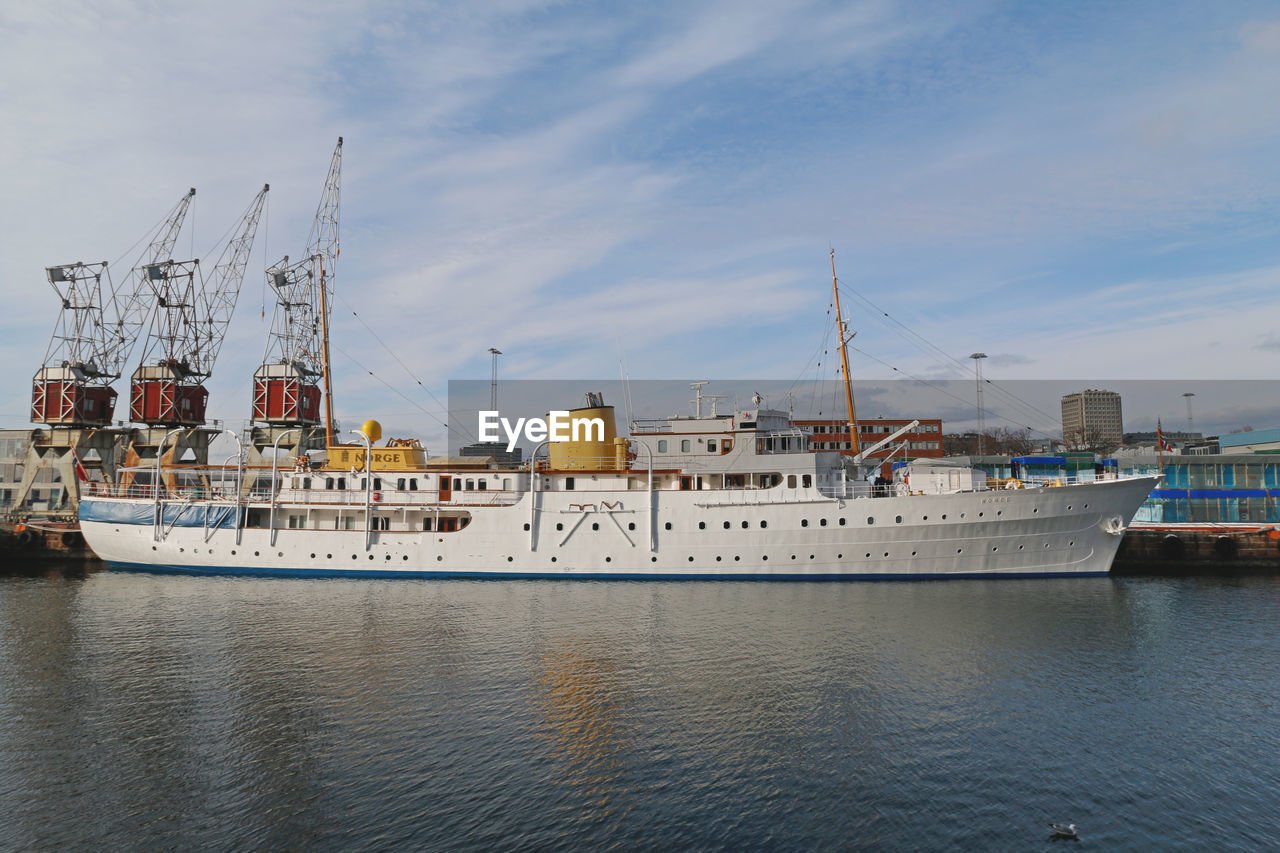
483, 485
711, 445
662, 446
684, 445
568, 484
471, 484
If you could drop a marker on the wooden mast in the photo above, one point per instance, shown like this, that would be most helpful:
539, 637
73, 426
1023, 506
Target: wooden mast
844, 358
324, 355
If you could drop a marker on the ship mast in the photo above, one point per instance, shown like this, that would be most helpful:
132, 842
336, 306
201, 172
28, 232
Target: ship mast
844, 357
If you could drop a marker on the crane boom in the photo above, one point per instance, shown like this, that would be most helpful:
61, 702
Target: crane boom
190, 322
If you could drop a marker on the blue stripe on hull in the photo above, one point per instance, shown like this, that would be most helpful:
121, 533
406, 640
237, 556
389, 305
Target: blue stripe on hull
420, 574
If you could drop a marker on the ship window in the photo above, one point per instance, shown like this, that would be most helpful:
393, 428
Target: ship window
822, 522
426, 523
745, 525
702, 525
726, 445
726, 525
870, 520
364, 481
559, 526
595, 526
306, 483
804, 522
377, 484
506, 483
631, 525
791, 481
667, 525
457, 483
568, 484
711, 445
684, 445
842, 522
662, 446
413, 484
342, 483
898, 519
764, 523
807, 480
483, 485
328, 482
471, 484
526, 525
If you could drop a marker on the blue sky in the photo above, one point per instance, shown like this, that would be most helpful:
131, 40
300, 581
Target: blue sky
1084, 190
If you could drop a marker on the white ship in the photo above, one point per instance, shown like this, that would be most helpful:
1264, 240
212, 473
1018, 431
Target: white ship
737, 496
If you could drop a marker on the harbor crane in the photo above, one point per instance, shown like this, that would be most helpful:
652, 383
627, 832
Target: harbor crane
191, 312
72, 392
293, 378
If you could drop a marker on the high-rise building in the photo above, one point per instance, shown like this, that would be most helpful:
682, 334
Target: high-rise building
1091, 418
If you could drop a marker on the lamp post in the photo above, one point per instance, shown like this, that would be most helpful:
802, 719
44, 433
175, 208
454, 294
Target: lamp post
1191, 427
368, 488
977, 374
155, 486
239, 479
493, 382
275, 460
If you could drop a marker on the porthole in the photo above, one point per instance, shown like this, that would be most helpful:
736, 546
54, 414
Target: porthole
1019, 547
811, 556
718, 558
924, 518
897, 519
1046, 544
595, 525
838, 556
439, 557
868, 555
313, 556
509, 559
726, 525
255, 553
180, 550
233, 552
279, 553
944, 516
841, 522
822, 522
653, 559
559, 526
667, 525
526, 525
370, 556
804, 522
691, 559
980, 515
326, 556
913, 553
1035, 509
995, 548
153, 547
886, 553
763, 523
1071, 544
765, 557
870, 520
745, 525
736, 558
553, 559
793, 556
1086, 506
702, 525
959, 550
999, 512
631, 525
405, 558
355, 557
962, 515
1068, 506
608, 559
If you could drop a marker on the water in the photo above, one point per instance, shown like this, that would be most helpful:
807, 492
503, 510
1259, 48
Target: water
161, 712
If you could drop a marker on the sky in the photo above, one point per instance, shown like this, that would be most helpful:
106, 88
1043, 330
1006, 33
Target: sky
1084, 191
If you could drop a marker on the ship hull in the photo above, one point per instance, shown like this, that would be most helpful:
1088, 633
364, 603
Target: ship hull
723, 535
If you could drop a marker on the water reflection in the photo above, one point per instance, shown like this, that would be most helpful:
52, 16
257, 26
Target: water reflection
258, 713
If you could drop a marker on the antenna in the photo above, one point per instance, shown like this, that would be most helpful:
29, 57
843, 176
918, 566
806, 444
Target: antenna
493, 383
697, 400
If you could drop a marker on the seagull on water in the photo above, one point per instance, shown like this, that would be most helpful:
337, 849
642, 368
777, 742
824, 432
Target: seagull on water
1067, 830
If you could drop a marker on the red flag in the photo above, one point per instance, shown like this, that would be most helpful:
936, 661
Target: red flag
81, 474
1164, 445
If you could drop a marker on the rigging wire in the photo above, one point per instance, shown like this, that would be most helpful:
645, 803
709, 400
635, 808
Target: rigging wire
1013, 400
463, 432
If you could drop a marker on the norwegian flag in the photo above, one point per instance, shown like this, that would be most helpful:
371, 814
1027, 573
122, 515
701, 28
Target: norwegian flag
81, 474
1164, 445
